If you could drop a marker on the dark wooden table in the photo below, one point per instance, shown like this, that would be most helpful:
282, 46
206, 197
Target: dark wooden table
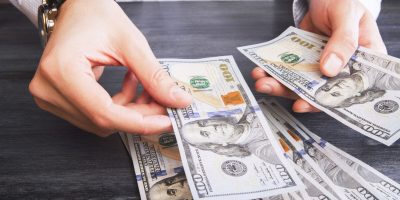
43, 157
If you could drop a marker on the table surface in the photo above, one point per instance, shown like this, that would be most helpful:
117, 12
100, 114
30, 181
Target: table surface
42, 156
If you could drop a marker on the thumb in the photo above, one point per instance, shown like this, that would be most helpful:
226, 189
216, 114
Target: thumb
341, 45
156, 81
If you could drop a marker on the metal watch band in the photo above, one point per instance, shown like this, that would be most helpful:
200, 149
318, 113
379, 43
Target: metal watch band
47, 14
55, 3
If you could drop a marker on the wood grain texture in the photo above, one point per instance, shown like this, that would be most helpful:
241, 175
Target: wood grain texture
43, 157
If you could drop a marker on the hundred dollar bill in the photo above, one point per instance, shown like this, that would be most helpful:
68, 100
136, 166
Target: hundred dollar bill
304, 164
314, 190
158, 168
349, 184
386, 186
362, 97
382, 62
223, 138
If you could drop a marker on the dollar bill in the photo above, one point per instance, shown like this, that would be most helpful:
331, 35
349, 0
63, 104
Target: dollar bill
347, 183
382, 62
302, 163
315, 185
388, 188
361, 97
226, 146
158, 168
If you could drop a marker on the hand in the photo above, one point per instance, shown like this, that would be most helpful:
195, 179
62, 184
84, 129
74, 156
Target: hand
348, 24
90, 34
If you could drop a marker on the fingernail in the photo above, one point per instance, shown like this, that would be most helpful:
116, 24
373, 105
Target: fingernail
259, 69
179, 94
266, 88
333, 65
303, 109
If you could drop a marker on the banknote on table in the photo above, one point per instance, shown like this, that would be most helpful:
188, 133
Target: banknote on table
158, 168
316, 187
386, 186
347, 183
226, 146
361, 96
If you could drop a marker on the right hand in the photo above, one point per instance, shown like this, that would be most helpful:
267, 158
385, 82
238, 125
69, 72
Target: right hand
348, 24
88, 35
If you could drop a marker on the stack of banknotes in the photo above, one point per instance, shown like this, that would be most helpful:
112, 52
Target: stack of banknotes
317, 169
226, 145
365, 96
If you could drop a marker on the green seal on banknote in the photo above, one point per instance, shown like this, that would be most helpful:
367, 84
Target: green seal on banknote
289, 58
167, 140
200, 82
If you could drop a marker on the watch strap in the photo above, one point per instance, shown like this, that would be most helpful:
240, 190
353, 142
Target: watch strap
55, 3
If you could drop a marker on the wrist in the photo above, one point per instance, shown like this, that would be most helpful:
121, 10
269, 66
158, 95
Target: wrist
47, 17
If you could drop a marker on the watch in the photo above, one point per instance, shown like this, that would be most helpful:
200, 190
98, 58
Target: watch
47, 14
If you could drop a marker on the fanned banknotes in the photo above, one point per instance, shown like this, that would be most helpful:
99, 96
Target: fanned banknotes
388, 188
158, 168
226, 145
365, 96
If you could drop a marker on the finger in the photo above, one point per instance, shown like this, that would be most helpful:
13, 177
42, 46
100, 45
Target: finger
92, 99
369, 34
49, 99
258, 73
76, 120
307, 24
343, 41
152, 108
143, 98
128, 90
98, 71
153, 77
302, 106
42, 89
271, 86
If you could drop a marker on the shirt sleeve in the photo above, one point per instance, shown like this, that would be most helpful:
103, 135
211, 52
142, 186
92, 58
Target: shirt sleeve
29, 8
300, 8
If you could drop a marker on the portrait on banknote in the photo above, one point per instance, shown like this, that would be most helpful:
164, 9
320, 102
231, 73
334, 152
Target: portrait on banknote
360, 85
172, 188
230, 137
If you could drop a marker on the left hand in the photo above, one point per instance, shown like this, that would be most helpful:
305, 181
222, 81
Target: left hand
348, 24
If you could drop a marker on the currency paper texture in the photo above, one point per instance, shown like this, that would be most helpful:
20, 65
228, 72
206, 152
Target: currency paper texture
158, 168
362, 97
347, 184
388, 188
226, 146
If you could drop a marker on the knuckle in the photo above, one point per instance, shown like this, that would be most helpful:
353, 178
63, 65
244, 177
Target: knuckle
159, 74
144, 127
350, 43
103, 133
41, 104
159, 77
102, 122
45, 68
34, 87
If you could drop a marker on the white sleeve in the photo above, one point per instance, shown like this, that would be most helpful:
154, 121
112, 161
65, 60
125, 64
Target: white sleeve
29, 8
300, 8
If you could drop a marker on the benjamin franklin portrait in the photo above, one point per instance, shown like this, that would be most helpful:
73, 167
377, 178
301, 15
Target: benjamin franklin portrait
363, 84
230, 137
172, 188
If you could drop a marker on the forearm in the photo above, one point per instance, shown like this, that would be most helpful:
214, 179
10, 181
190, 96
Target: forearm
300, 8
29, 8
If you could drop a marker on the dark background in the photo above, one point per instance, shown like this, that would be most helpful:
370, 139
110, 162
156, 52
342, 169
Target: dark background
44, 157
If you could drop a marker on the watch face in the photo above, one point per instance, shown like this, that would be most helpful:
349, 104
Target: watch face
42, 17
